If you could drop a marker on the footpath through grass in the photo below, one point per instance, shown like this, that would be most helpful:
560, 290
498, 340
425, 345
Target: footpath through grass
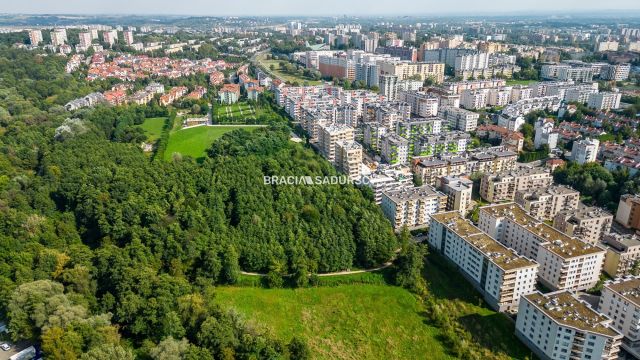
361, 321
196, 141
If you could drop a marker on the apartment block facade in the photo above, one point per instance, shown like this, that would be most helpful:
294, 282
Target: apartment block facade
559, 326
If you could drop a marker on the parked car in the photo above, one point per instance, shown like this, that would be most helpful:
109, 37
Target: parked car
5, 347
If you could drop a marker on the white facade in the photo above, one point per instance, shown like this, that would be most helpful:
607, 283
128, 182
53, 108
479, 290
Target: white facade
585, 151
559, 326
566, 263
498, 272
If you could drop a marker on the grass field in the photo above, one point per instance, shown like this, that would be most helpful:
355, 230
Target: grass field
262, 59
342, 322
491, 329
153, 128
520, 82
237, 113
359, 317
195, 141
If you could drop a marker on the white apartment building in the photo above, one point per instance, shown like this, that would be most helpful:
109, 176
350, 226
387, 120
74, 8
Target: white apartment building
58, 37
503, 186
499, 273
423, 104
412, 207
558, 326
474, 99
388, 86
512, 123
349, 158
394, 149
85, 39
545, 134
566, 263
388, 180
330, 135
110, 37
617, 72
545, 203
128, 37
458, 191
499, 96
585, 150
521, 92
604, 100
471, 61
459, 119
620, 301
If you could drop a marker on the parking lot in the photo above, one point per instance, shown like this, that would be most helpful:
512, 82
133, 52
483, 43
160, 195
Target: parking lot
15, 348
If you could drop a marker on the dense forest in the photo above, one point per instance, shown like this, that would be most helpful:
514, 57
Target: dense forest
107, 253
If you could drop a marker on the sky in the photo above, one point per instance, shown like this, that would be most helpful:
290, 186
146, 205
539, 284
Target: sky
308, 7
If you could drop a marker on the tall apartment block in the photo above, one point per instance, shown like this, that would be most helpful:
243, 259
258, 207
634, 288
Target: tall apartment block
585, 151
503, 186
330, 135
623, 254
628, 213
545, 203
620, 301
349, 158
411, 207
128, 37
586, 223
458, 191
559, 326
460, 119
35, 37
388, 86
406, 69
566, 263
423, 104
499, 273
394, 149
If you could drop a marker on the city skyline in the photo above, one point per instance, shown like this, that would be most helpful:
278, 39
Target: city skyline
328, 7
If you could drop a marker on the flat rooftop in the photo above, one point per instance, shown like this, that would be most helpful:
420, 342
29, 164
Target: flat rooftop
557, 242
505, 258
629, 289
412, 193
569, 311
456, 223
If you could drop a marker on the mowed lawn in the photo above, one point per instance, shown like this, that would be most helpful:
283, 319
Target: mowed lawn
342, 322
196, 141
235, 113
153, 128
